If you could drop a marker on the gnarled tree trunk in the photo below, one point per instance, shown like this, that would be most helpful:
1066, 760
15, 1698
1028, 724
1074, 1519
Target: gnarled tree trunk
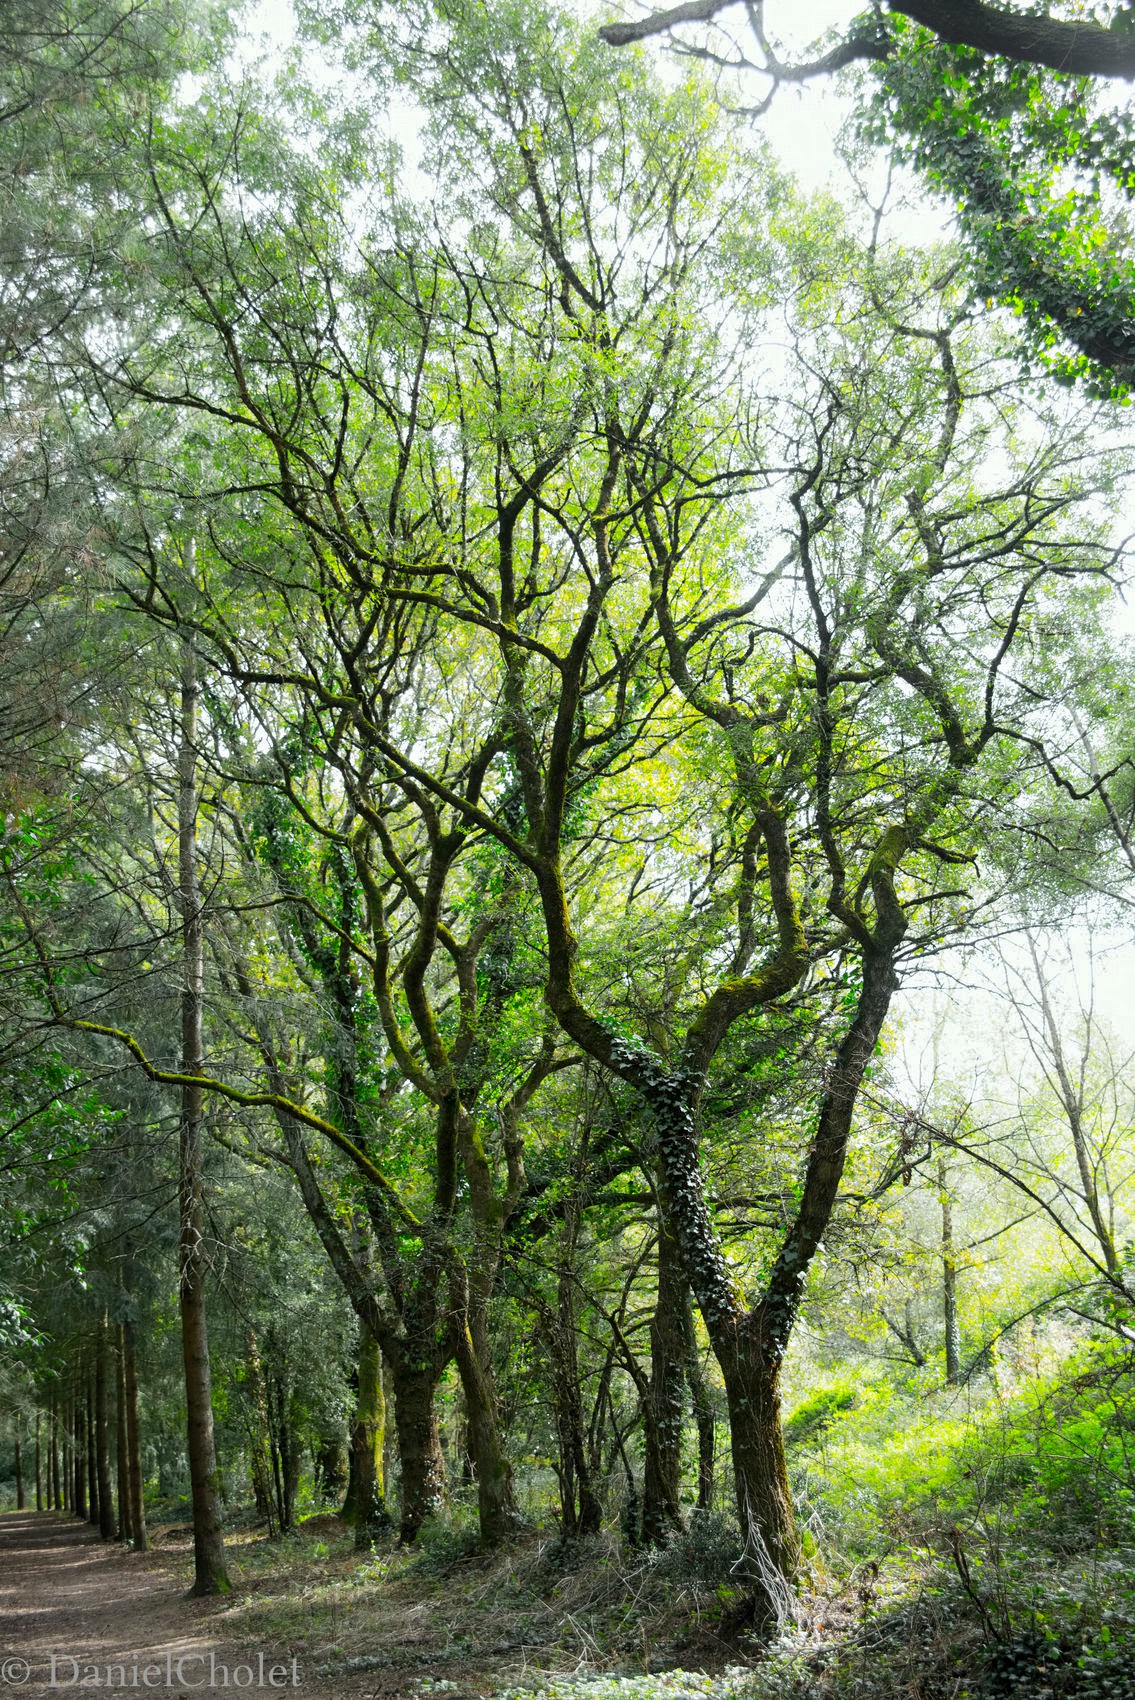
498, 1517
420, 1461
749, 1344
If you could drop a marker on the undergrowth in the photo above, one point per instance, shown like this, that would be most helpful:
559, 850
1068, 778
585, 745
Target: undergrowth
964, 1544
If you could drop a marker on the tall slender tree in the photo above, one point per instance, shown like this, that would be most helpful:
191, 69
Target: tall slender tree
210, 1572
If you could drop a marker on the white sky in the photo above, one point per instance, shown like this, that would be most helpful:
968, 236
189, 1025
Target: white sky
801, 124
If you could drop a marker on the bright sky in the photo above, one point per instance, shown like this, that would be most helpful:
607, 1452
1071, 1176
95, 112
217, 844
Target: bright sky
802, 123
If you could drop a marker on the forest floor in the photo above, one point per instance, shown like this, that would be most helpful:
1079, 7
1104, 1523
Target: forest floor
309, 1616
78, 1614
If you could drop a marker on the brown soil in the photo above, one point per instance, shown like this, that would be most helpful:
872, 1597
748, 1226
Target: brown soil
66, 1593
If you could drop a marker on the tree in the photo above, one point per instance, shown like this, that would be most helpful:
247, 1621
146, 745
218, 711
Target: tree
1075, 46
993, 109
73, 73
1061, 1140
887, 726
616, 599
210, 1574
410, 310
964, 727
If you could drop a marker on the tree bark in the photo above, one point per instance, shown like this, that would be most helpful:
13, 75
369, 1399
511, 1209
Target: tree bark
55, 1487
285, 1447
329, 1466
498, 1517
79, 1461
210, 1574
498, 1514
93, 1484
949, 1283
19, 1461
751, 1372
38, 1466
1073, 46
260, 1438
664, 1405
368, 1446
412, 1347
66, 1454
703, 1408
581, 1511
121, 1446
138, 1532
102, 1435
419, 1449
390, 1449
749, 1345
1077, 47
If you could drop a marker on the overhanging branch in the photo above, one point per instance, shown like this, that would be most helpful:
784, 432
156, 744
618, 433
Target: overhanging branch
1076, 48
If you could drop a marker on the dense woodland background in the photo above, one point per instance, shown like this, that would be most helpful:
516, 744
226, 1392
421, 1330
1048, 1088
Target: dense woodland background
567, 854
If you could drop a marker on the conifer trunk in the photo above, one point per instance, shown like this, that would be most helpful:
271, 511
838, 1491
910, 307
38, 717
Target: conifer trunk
138, 1531
55, 1486
78, 1460
210, 1574
66, 1495
92, 1449
102, 1436
122, 1450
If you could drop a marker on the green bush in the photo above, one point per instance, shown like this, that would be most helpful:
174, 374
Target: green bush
810, 1419
1062, 1466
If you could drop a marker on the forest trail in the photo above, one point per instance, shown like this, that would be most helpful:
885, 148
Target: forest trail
66, 1594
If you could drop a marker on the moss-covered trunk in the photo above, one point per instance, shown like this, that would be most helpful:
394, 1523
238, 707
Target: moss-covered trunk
751, 1372
497, 1513
368, 1446
420, 1461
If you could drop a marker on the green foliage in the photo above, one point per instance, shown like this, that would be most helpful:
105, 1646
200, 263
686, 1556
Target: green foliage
813, 1416
619, 469
665, 1685
1059, 1464
1040, 172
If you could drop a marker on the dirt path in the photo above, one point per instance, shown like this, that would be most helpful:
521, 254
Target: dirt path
118, 1624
